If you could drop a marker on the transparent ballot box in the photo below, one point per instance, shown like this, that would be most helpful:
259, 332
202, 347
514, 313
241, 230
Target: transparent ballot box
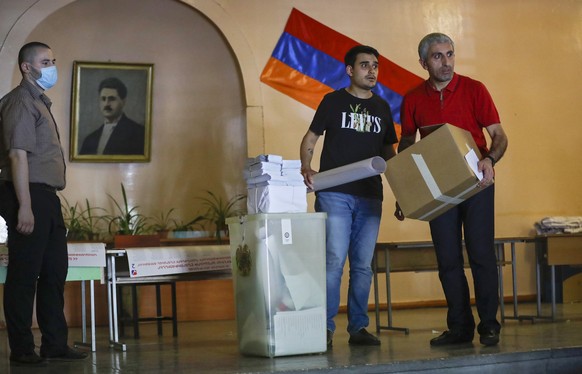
278, 266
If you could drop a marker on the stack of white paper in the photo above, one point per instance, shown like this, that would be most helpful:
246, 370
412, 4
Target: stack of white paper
270, 158
274, 185
277, 199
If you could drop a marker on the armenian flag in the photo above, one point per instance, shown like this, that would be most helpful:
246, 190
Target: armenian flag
307, 63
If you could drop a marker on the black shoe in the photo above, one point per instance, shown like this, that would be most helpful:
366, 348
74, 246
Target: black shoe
489, 338
363, 337
450, 338
70, 355
329, 338
31, 359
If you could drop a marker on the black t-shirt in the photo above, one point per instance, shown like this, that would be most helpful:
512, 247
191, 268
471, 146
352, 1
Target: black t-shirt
355, 129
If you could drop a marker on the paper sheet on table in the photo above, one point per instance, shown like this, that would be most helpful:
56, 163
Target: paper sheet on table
349, 173
80, 255
149, 261
472, 160
86, 254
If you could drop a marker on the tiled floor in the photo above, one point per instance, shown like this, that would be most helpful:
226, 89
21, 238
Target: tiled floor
211, 347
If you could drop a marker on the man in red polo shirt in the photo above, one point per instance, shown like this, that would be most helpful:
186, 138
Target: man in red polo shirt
447, 97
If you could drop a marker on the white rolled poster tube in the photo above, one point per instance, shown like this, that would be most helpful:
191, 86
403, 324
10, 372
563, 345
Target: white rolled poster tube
348, 173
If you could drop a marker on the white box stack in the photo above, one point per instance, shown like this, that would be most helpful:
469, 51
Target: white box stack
275, 185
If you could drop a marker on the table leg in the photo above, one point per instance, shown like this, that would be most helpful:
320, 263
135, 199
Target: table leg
389, 297
500, 260
540, 250
83, 312
112, 299
553, 285
514, 288
83, 342
376, 296
92, 293
538, 282
174, 311
514, 280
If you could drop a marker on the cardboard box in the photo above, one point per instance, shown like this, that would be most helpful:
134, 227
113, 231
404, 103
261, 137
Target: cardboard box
431, 176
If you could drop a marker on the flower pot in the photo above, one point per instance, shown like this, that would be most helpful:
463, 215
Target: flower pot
130, 241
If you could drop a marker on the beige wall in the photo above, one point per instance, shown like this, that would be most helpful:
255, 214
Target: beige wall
527, 52
198, 106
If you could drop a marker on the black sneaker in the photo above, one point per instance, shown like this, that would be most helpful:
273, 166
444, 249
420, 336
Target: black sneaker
70, 355
363, 337
329, 338
489, 338
30, 359
451, 338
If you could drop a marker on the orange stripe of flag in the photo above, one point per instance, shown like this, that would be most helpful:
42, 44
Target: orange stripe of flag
286, 79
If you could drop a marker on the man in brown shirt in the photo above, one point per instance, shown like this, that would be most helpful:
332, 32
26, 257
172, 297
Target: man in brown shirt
32, 170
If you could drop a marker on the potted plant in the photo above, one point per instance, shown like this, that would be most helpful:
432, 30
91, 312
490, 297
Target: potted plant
184, 229
218, 210
127, 222
82, 223
162, 223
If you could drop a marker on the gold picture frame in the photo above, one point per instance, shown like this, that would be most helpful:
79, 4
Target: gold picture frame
111, 106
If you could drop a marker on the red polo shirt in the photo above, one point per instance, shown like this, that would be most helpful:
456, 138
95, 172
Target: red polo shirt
465, 103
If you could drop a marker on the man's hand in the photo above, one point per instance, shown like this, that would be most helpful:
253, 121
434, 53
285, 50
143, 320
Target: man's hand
25, 223
486, 167
308, 174
306, 154
496, 151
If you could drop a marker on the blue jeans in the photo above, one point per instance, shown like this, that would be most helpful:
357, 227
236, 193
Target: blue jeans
351, 232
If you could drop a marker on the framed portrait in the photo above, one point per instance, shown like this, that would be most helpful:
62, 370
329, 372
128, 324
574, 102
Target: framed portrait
111, 106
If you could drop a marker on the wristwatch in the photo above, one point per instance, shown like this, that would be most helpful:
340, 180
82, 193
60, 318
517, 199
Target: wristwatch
492, 159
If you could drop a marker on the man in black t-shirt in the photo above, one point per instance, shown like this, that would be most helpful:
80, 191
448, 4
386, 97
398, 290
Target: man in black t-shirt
357, 125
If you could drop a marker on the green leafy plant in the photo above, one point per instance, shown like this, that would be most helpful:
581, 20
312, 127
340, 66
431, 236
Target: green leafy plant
127, 221
82, 223
163, 221
189, 225
218, 210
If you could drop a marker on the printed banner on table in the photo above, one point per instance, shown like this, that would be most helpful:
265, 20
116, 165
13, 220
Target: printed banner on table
80, 255
308, 62
153, 261
86, 254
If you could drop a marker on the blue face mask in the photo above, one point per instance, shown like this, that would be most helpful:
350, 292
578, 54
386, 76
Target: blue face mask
48, 77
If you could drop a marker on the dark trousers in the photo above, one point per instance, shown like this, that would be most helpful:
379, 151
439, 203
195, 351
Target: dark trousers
474, 216
37, 264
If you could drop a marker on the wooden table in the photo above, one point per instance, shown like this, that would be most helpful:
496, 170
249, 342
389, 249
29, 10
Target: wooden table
420, 256
553, 250
75, 273
116, 276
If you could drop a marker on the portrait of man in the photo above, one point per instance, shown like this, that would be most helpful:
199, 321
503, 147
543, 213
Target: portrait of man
111, 112
118, 135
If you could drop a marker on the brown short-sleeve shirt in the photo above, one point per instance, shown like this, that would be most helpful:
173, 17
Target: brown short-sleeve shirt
26, 123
